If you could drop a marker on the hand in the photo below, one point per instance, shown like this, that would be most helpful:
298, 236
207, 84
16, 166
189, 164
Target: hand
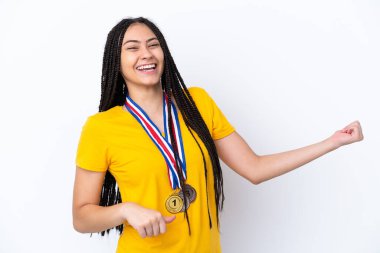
147, 222
350, 134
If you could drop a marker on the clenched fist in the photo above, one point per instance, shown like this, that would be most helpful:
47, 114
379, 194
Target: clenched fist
147, 222
350, 134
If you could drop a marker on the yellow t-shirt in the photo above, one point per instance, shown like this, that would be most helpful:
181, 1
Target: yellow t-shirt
115, 140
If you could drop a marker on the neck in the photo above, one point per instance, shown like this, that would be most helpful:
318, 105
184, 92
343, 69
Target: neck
148, 98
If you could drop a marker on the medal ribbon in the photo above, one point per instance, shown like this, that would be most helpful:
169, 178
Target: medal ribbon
163, 143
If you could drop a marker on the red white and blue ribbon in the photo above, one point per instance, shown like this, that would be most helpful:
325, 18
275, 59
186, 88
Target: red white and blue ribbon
163, 143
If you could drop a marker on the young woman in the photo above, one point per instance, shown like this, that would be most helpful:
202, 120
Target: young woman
148, 162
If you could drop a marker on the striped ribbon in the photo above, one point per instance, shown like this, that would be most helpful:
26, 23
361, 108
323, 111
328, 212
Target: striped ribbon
163, 143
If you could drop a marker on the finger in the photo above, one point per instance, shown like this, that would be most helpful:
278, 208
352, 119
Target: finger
162, 225
350, 129
352, 124
169, 219
355, 132
361, 133
359, 128
149, 230
156, 228
141, 232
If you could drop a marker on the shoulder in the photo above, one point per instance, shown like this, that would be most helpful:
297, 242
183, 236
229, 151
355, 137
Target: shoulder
199, 95
197, 92
203, 101
100, 120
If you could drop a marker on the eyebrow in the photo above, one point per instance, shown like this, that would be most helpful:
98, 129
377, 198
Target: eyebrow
137, 41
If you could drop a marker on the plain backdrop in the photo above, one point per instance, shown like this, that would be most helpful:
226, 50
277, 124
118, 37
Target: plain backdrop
285, 73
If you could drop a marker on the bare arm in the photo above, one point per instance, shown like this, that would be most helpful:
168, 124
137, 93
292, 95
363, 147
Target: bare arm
89, 217
236, 154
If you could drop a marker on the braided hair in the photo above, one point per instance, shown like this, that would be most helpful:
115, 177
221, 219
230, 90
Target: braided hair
113, 93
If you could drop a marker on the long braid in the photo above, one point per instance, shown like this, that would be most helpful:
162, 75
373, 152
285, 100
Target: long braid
113, 92
199, 123
111, 95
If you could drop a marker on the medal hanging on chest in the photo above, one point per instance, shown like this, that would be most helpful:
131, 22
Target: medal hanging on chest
175, 202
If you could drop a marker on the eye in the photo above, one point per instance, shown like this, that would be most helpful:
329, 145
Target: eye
132, 48
154, 45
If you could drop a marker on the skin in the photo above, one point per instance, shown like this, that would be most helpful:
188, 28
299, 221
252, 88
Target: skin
145, 90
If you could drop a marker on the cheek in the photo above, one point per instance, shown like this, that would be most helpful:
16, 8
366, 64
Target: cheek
161, 56
126, 64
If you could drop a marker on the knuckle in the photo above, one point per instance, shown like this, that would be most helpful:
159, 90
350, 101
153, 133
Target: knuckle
142, 233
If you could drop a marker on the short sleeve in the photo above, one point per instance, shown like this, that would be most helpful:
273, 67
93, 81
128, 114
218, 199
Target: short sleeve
92, 147
218, 124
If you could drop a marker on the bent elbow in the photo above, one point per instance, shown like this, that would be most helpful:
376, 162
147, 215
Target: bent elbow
78, 226
254, 178
254, 181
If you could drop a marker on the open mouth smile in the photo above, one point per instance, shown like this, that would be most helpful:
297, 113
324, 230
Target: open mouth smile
147, 68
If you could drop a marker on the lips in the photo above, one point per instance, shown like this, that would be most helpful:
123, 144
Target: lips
146, 67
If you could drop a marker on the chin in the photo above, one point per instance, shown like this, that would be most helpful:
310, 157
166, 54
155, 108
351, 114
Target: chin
150, 84
147, 82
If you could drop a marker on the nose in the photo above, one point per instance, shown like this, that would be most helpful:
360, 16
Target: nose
145, 53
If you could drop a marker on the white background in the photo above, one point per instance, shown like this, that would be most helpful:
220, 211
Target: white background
285, 73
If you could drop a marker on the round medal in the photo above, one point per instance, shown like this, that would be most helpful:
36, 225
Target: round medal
187, 203
190, 192
174, 203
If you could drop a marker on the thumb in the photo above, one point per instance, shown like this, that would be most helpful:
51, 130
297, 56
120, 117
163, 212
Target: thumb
169, 219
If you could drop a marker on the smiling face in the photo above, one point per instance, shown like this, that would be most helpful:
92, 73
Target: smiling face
142, 58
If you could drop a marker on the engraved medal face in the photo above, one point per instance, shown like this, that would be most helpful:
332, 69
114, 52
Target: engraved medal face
174, 203
189, 191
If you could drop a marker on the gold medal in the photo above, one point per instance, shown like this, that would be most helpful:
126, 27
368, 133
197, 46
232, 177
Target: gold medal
174, 203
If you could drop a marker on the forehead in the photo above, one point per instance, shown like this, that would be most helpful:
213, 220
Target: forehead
138, 31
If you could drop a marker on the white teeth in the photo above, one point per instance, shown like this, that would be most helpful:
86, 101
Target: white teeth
150, 66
